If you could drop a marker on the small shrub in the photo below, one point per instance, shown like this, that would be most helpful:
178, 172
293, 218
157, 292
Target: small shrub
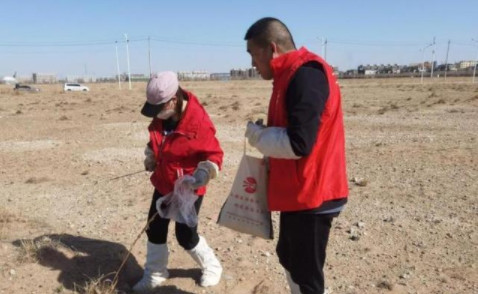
99, 285
31, 250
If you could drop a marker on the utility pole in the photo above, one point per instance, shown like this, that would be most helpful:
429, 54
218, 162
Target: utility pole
149, 56
433, 57
323, 44
117, 66
127, 54
423, 61
446, 59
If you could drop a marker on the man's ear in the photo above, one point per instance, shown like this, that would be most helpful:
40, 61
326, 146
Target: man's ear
275, 50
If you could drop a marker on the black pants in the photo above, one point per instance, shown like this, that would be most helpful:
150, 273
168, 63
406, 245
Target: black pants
302, 248
157, 231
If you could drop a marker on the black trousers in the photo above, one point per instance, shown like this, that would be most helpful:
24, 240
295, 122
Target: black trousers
302, 248
157, 231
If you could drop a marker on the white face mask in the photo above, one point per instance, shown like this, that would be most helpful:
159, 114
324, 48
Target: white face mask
165, 114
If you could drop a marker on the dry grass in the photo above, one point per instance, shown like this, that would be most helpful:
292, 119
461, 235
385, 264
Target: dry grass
103, 285
34, 251
100, 285
31, 250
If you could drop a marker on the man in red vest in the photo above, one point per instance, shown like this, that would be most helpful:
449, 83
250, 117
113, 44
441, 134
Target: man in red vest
305, 146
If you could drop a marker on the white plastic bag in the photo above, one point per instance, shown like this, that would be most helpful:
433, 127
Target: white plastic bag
245, 209
179, 204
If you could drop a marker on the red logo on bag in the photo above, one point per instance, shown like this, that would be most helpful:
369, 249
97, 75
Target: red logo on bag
249, 185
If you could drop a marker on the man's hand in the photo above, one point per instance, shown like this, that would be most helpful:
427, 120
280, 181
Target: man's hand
149, 160
253, 132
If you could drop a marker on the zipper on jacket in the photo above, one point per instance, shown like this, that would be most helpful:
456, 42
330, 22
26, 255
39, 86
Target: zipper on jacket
160, 153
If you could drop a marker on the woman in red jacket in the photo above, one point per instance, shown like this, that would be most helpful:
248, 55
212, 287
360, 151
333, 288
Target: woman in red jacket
182, 142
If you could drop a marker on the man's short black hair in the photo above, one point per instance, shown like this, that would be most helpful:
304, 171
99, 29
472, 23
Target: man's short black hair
270, 29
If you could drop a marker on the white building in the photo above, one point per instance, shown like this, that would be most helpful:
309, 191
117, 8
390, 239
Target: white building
193, 75
43, 78
466, 64
81, 79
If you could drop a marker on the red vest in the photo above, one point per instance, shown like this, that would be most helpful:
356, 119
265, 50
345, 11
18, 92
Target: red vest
179, 152
320, 176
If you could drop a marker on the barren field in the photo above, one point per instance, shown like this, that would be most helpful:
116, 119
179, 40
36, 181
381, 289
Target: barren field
71, 206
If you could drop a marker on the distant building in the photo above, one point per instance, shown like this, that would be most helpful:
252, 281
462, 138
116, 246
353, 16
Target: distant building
80, 79
139, 77
466, 64
193, 75
24, 79
220, 76
241, 74
42, 78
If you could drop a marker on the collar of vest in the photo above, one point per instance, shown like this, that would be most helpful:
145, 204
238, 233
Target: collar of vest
283, 63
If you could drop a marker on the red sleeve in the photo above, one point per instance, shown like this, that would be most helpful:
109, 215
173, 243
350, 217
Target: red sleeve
212, 149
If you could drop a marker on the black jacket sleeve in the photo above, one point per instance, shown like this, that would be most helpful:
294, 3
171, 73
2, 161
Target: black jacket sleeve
305, 101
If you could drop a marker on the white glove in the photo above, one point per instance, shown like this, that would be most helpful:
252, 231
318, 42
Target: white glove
253, 132
271, 141
150, 160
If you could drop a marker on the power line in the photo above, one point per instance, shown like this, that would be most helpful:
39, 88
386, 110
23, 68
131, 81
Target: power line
217, 44
55, 44
37, 52
67, 44
374, 43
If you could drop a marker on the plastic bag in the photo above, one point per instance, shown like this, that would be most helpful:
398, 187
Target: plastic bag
179, 204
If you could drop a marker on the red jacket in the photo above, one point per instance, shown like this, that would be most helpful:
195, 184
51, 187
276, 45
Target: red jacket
307, 182
179, 152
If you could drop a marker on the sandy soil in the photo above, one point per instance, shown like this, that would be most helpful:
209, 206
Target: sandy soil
67, 217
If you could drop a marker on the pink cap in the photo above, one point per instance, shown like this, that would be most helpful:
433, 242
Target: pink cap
162, 87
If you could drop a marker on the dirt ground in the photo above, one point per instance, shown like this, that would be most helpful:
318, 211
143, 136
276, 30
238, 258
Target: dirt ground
69, 215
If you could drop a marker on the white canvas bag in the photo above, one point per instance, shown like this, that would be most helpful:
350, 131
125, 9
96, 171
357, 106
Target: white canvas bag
245, 209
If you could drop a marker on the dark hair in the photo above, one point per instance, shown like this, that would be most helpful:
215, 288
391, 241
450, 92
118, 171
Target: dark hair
269, 29
180, 96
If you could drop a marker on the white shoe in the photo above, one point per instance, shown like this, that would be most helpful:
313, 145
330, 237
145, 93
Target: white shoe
155, 268
210, 266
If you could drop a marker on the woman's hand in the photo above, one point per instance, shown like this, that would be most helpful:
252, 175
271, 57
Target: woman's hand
150, 160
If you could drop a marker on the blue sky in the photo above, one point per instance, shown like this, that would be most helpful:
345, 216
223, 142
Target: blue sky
77, 37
